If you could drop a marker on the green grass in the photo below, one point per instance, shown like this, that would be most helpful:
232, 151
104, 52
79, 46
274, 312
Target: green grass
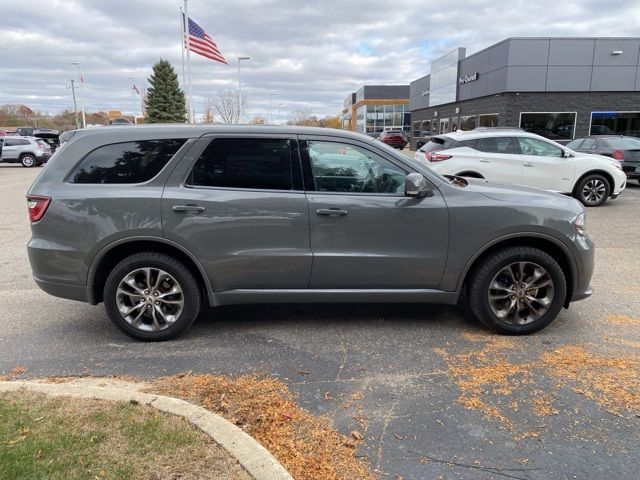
44, 438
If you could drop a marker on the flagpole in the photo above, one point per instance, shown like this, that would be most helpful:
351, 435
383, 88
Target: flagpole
186, 14
182, 39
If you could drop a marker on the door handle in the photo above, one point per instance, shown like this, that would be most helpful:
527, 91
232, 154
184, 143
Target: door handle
187, 208
331, 211
484, 160
528, 164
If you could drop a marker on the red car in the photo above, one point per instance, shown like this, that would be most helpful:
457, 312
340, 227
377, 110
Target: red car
393, 138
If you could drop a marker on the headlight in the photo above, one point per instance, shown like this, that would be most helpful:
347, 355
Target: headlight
617, 165
580, 225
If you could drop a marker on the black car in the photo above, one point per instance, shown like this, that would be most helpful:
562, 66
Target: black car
622, 148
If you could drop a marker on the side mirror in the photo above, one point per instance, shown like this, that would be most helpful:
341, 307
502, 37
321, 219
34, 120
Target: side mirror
415, 185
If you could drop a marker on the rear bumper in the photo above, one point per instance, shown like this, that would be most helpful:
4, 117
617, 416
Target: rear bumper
80, 293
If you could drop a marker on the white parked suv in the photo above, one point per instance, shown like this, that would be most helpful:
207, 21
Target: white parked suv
521, 158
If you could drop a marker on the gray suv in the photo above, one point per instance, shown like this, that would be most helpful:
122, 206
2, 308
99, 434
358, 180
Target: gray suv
29, 151
154, 221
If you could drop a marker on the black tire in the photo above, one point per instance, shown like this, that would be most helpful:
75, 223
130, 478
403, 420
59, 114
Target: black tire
182, 275
579, 192
28, 161
484, 273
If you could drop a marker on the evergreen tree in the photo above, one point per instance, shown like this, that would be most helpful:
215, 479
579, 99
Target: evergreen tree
165, 99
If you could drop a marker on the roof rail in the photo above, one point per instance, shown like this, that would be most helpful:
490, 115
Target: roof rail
497, 128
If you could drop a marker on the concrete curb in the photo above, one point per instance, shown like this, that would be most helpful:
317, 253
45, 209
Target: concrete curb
255, 459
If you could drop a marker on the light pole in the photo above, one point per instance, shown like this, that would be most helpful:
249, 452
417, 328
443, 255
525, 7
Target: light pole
279, 117
84, 121
133, 98
75, 106
271, 95
240, 89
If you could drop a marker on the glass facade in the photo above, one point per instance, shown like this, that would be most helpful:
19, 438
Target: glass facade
444, 79
376, 118
552, 125
467, 122
489, 120
620, 123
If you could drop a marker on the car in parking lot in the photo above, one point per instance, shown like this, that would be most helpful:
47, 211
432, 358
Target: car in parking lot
622, 148
522, 158
393, 138
156, 220
29, 151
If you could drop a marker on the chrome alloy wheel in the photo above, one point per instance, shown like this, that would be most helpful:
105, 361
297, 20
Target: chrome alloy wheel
150, 299
521, 293
594, 190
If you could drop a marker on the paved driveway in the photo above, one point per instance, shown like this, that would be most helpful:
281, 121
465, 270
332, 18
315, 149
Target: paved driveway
434, 395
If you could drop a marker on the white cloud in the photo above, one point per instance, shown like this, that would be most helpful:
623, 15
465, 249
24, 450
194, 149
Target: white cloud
308, 53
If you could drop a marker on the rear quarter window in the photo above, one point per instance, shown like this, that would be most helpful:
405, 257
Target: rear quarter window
127, 162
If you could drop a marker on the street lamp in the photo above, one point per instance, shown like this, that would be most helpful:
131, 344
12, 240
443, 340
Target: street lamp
133, 98
240, 89
271, 95
84, 121
279, 117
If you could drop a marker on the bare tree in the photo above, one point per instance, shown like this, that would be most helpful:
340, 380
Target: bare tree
207, 111
303, 117
258, 120
227, 106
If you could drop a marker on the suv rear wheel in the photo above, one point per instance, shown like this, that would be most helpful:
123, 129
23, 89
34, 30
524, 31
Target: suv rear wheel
151, 296
518, 290
28, 160
593, 190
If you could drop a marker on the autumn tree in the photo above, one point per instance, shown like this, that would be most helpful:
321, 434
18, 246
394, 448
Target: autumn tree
258, 120
207, 111
165, 100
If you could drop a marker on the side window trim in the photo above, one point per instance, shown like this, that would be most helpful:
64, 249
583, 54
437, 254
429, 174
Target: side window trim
309, 180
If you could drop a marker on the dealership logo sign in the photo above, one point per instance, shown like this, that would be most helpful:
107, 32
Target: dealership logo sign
468, 78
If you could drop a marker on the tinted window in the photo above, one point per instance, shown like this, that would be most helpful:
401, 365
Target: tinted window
12, 142
258, 163
555, 126
438, 143
9, 142
575, 144
497, 145
589, 144
340, 167
623, 123
533, 146
130, 162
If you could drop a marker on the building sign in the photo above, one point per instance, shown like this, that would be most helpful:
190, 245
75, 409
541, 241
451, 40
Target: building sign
468, 78
113, 114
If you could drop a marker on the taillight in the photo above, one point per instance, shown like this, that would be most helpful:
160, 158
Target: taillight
437, 157
617, 154
37, 207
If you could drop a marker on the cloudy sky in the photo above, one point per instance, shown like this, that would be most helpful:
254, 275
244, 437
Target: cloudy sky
310, 54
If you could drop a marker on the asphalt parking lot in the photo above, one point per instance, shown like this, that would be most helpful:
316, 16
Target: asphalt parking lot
434, 395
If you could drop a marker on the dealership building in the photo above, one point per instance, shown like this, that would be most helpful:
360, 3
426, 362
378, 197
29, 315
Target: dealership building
561, 88
374, 108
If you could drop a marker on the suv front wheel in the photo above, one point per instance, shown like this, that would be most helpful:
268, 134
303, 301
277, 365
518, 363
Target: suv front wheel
151, 296
518, 290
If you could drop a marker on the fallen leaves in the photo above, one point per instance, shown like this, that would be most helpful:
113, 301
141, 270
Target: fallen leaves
306, 445
612, 382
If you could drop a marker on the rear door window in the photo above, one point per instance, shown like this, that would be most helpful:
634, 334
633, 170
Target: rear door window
128, 162
252, 163
497, 145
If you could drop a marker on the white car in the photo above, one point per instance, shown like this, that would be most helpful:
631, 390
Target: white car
521, 158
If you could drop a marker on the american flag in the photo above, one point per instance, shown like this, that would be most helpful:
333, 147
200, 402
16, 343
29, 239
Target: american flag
203, 44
